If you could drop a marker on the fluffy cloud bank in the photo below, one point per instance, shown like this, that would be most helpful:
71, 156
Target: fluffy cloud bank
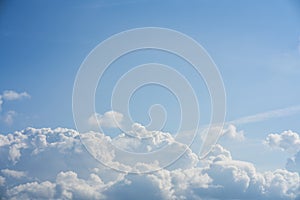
287, 141
47, 163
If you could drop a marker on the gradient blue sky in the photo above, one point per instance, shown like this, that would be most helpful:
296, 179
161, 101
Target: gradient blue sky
255, 44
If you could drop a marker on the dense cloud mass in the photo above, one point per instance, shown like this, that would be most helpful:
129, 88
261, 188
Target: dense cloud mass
47, 163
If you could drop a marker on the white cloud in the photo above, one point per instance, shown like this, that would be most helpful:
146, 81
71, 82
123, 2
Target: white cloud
10, 95
110, 119
231, 132
282, 184
32, 190
57, 166
72, 187
286, 141
99, 146
1, 102
142, 140
109, 150
293, 163
2, 181
8, 118
13, 173
14, 153
242, 177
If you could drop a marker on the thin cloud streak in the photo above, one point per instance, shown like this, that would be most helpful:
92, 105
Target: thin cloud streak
266, 115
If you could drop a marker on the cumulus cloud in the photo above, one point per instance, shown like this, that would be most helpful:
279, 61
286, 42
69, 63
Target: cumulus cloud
118, 152
10, 95
32, 190
231, 132
286, 141
73, 187
53, 164
110, 119
13, 173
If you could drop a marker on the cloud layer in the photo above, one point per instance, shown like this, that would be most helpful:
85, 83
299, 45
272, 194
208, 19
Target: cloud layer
47, 163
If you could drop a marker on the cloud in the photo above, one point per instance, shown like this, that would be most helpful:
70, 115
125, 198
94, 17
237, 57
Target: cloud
10, 95
52, 164
266, 115
14, 152
286, 141
13, 173
73, 187
2, 181
231, 132
293, 163
114, 151
110, 119
1, 102
8, 117
146, 187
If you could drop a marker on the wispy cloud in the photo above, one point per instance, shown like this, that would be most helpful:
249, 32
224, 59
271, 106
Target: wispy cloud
11, 95
8, 118
266, 115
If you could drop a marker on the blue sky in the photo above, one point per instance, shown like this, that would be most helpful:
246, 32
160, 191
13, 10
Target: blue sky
255, 44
